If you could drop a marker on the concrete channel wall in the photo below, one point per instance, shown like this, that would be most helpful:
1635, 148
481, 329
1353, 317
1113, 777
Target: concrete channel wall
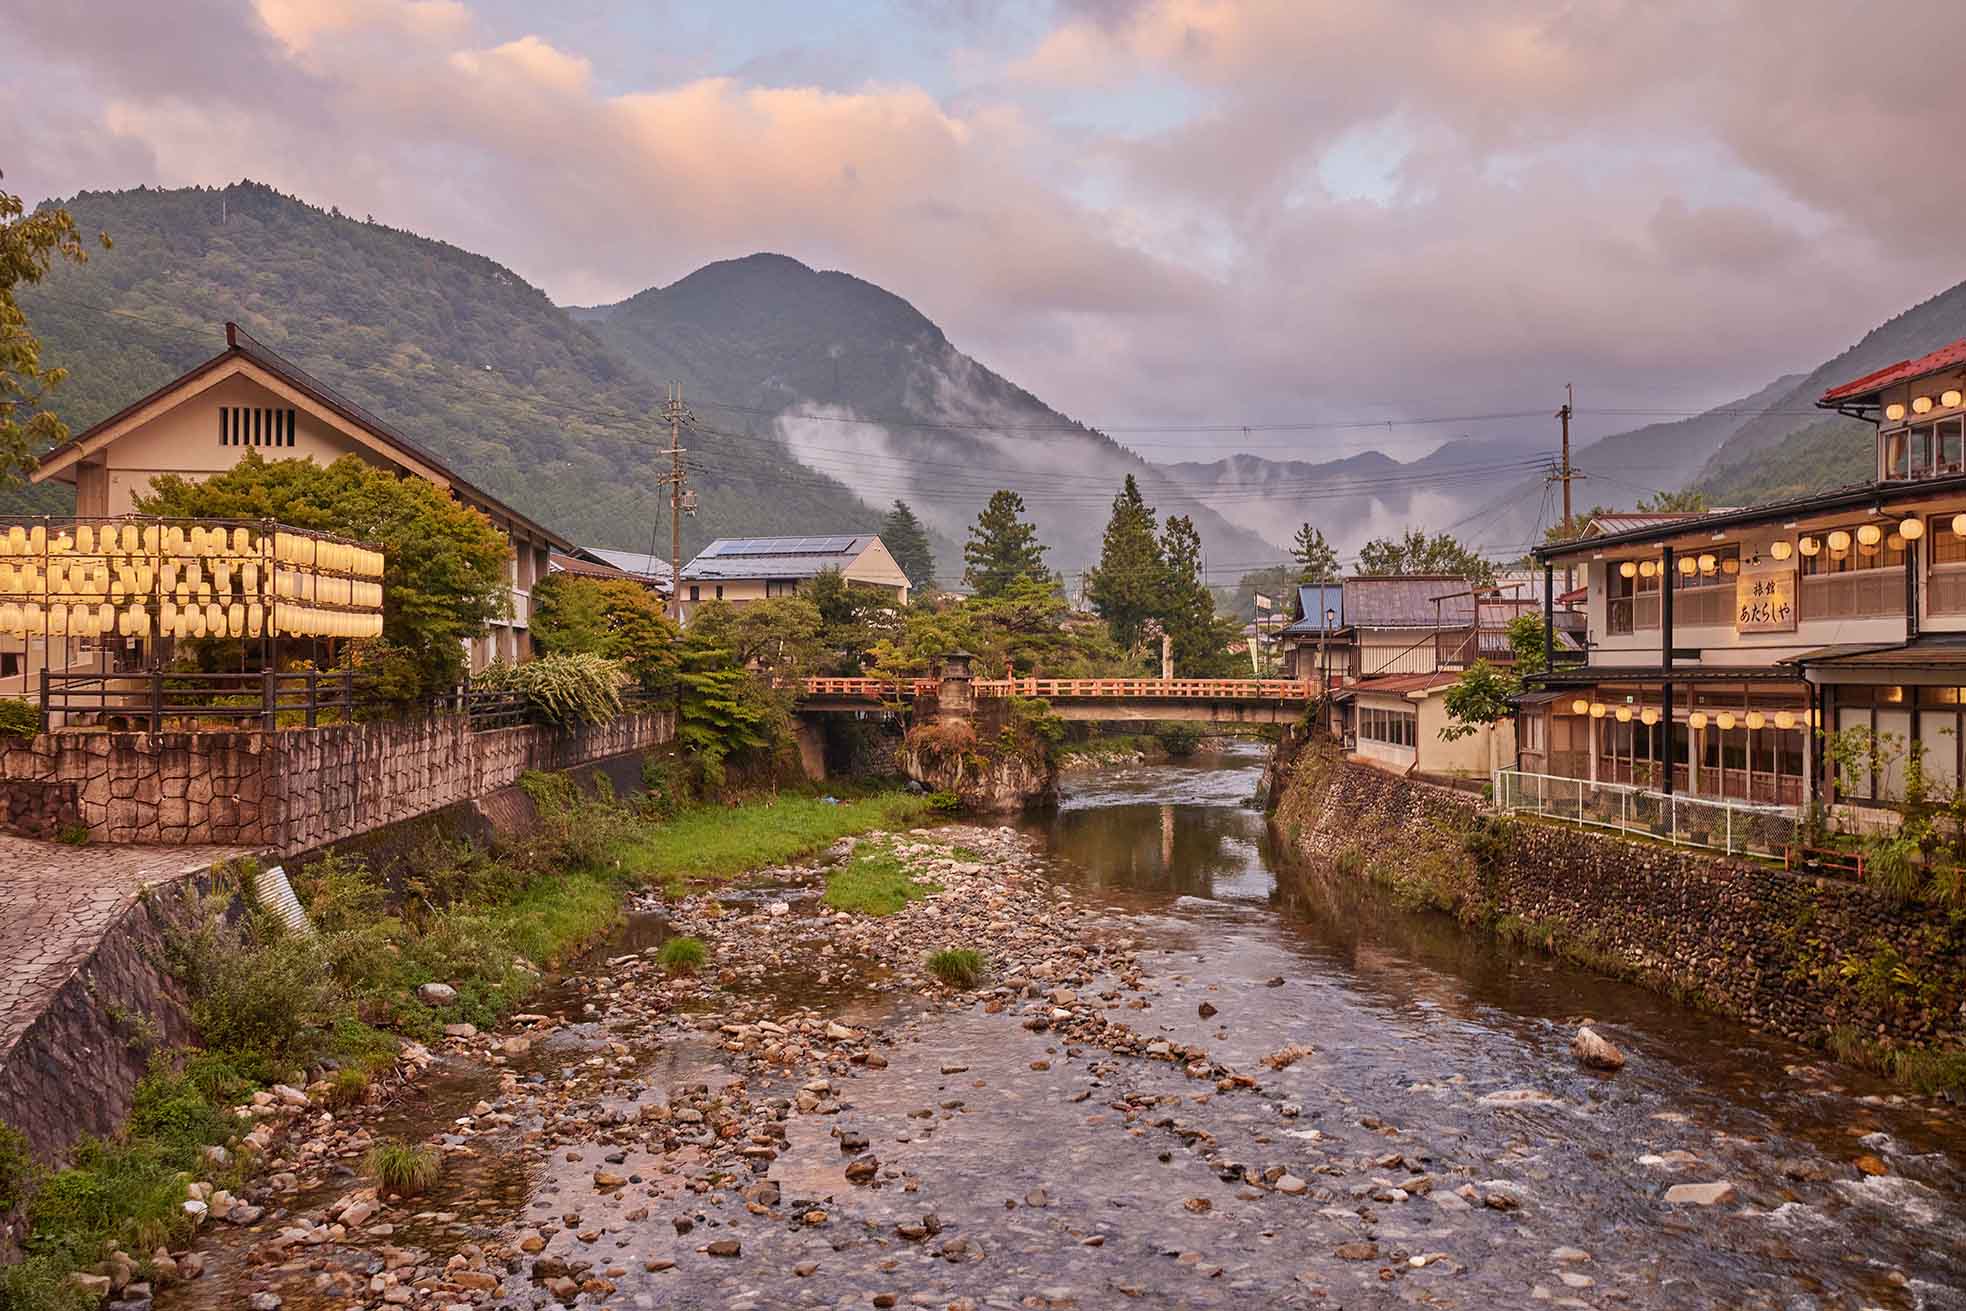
1816, 958
286, 791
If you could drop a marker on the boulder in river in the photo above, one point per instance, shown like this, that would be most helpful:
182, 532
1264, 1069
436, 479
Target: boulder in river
1595, 1051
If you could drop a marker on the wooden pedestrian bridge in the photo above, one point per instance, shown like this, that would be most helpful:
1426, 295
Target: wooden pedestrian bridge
1213, 700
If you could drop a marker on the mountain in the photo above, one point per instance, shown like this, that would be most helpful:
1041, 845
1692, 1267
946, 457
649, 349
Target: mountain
1359, 497
456, 350
859, 385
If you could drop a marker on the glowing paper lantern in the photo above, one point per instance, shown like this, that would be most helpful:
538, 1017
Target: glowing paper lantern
1870, 534
1783, 719
1624, 714
1911, 529
1697, 720
1725, 719
1782, 549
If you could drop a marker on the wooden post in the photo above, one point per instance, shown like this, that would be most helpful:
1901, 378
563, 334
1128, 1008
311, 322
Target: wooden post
156, 699
269, 698
313, 696
44, 686
1668, 573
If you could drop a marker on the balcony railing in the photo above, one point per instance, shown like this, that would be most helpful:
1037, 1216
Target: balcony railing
1735, 827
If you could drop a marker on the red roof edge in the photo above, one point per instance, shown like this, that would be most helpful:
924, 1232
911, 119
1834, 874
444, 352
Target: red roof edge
1874, 377
1947, 356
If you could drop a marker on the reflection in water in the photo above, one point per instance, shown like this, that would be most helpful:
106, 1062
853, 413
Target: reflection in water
1415, 1018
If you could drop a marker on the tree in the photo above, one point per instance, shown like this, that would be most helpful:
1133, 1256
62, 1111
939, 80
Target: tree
444, 576
1002, 548
611, 617
1484, 693
907, 542
1417, 553
1316, 561
1684, 501
1129, 585
29, 246
1186, 607
852, 619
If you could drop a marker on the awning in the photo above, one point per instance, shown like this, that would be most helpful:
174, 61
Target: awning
1937, 653
1688, 673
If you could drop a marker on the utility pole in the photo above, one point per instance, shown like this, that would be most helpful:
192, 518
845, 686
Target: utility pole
675, 412
1569, 403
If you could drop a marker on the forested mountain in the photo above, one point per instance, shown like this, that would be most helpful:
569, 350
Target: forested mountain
862, 386
454, 349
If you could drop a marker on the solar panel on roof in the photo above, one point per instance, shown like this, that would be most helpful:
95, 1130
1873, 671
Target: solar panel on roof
764, 546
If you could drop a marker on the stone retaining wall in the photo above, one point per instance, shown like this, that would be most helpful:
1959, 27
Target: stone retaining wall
1818, 959
287, 791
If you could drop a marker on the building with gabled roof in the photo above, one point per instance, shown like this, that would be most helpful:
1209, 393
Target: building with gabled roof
743, 569
249, 398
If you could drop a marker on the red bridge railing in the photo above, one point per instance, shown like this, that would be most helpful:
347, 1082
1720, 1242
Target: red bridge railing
1070, 689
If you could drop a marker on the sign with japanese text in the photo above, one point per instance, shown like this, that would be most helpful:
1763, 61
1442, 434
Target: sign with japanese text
1764, 598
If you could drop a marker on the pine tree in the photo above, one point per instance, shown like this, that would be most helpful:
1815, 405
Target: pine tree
1002, 548
1187, 608
1417, 553
907, 542
1129, 586
1316, 561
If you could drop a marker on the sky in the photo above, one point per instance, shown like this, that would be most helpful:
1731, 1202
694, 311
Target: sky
1147, 212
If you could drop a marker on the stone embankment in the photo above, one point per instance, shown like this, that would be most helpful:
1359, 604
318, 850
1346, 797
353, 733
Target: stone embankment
1817, 959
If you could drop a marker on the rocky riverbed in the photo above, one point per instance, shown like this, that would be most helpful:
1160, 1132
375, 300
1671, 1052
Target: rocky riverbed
1163, 1093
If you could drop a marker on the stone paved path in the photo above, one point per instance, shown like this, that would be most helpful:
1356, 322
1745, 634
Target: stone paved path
57, 901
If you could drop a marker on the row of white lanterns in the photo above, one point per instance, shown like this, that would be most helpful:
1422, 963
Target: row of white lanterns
238, 619
1950, 398
1649, 715
1868, 538
136, 543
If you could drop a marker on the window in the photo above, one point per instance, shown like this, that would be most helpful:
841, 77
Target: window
720, 591
1533, 725
1948, 547
1924, 450
695, 592
10, 664
1888, 553
240, 425
781, 586
1726, 564
1398, 728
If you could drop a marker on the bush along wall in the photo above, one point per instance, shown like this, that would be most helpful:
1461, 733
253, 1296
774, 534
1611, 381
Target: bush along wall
1875, 979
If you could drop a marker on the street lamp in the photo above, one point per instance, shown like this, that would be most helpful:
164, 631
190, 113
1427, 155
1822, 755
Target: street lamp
1324, 669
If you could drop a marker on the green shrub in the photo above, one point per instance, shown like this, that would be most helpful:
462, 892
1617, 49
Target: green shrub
402, 1168
564, 690
1891, 866
683, 955
959, 967
75, 835
254, 988
18, 718
17, 1169
347, 1086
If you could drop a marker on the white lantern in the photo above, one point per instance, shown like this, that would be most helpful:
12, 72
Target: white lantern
1809, 545
255, 618
1911, 529
1894, 411
1782, 549
1648, 716
1597, 710
1730, 566
1921, 405
10, 619
1697, 720
1870, 534
1783, 719
1624, 714
1756, 719
1725, 720
1708, 564
1839, 542
235, 620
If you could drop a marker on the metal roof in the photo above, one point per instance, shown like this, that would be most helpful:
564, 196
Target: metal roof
1585, 675
1935, 651
720, 569
752, 547
1313, 599
1408, 601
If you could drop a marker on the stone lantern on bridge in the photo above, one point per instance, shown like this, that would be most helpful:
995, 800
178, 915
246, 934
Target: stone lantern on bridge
955, 696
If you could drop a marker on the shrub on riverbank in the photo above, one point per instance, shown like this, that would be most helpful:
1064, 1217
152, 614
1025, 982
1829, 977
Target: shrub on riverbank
403, 1168
682, 955
959, 967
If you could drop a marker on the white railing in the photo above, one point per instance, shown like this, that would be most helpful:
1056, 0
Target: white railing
1736, 827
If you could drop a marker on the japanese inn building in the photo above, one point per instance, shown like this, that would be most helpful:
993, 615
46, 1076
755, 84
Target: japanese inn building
1717, 641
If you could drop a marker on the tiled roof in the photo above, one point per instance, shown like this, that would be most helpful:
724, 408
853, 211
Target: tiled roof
640, 563
1945, 357
1408, 601
567, 564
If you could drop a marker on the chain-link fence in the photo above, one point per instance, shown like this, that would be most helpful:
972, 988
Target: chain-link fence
1735, 827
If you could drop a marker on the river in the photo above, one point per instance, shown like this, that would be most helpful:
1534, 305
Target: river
1428, 1141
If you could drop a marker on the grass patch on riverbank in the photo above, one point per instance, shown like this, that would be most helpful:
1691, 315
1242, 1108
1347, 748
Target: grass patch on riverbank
874, 882
959, 967
719, 842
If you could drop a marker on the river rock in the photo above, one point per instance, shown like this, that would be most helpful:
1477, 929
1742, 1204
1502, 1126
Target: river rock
1595, 1051
1712, 1194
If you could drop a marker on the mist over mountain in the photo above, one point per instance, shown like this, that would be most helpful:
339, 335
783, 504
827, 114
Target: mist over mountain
859, 385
